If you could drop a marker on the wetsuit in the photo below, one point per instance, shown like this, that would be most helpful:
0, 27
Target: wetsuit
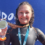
34, 34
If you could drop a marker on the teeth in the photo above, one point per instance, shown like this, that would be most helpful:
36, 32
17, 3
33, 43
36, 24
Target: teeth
0, 30
22, 18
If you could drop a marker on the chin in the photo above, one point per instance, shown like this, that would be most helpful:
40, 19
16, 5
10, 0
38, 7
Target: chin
24, 23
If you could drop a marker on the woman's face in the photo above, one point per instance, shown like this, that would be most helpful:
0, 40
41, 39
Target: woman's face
24, 14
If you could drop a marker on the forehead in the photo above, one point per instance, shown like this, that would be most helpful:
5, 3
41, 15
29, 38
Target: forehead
24, 7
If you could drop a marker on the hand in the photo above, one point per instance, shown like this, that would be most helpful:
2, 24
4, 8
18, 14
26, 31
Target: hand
3, 31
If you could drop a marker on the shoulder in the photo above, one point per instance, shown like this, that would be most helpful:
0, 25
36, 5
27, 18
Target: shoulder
38, 31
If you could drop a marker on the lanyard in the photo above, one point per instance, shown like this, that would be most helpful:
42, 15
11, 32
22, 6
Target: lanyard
26, 36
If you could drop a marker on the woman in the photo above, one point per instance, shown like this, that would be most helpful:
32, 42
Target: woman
26, 34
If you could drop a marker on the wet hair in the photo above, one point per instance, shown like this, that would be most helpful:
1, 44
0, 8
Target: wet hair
32, 18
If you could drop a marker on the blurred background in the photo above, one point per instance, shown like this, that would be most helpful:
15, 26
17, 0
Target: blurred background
8, 10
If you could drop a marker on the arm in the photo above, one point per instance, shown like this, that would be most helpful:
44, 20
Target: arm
7, 41
1, 42
40, 36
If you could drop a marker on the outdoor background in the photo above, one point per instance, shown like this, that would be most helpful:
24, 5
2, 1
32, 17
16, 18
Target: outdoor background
8, 10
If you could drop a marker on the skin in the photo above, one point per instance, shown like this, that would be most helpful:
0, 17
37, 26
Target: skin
24, 14
3, 31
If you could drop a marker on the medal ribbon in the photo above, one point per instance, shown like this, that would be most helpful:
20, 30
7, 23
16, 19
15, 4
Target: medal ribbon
26, 36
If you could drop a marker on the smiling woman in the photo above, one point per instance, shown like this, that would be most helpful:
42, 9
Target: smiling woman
25, 34
24, 14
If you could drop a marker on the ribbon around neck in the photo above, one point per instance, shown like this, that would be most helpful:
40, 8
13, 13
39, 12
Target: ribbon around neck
26, 36
17, 26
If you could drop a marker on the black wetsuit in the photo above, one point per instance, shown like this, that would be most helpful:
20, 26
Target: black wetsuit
34, 34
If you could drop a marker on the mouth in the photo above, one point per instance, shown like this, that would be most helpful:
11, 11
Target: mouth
24, 18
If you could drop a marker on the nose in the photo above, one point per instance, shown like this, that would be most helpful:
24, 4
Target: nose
24, 15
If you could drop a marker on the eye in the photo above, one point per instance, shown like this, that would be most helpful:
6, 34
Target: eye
21, 12
27, 12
